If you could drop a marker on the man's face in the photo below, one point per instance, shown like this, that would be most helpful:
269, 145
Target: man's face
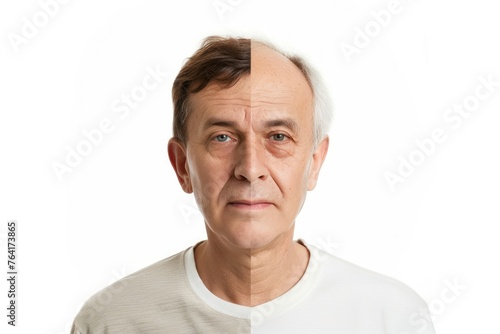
249, 156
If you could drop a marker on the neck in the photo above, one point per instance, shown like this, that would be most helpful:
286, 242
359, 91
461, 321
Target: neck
250, 277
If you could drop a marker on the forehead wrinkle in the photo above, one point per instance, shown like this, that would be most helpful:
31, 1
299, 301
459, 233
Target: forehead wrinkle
239, 92
237, 118
233, 103
221, 97
219, 108
281, 97
212, 100
280, 104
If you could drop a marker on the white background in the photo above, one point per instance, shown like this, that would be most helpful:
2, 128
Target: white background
122, 208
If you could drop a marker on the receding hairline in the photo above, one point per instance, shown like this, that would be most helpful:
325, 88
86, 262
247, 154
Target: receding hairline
239, 46
259, 46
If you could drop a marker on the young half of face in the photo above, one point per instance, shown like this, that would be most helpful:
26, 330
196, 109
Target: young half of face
249, 157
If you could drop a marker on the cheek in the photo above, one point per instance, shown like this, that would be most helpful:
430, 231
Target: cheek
208, 178
291, 177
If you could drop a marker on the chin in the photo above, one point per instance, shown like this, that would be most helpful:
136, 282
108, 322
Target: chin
251, 236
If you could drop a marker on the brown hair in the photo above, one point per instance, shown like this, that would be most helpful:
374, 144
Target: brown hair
219, 60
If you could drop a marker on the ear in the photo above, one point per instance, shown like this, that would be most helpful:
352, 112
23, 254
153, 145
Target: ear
317, 161
177, 156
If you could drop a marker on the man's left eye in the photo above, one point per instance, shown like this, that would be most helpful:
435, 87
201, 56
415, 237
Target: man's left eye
279, 137
222, 138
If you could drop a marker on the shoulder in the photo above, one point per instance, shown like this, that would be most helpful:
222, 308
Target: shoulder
360, 293
351, 280
121, 303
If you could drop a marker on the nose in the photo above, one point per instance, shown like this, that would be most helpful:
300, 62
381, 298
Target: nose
250, 164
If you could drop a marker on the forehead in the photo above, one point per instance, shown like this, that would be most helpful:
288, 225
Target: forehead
275, 87
271, 72
277, 82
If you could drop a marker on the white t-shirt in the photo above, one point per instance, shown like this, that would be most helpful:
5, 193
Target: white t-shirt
333, 296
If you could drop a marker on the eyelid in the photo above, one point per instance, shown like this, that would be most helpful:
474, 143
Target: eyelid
286, 135
214, 137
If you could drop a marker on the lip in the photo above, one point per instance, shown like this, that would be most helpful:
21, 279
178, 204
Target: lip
256, 204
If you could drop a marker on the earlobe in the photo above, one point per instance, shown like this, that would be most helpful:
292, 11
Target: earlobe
178, 159
319, 156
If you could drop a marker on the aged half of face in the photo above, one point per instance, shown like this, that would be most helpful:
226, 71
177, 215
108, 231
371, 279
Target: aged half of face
249, 158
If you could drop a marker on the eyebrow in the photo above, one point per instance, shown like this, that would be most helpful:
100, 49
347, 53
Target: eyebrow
219, 122
286, 122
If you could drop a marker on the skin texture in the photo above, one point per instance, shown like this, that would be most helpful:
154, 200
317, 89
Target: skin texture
249, 160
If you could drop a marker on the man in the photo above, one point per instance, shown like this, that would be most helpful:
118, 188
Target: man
250, 136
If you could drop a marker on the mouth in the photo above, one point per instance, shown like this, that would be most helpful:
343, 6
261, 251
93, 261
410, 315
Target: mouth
255, 204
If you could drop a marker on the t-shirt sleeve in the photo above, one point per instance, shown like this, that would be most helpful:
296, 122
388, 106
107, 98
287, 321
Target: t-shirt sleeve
75, 330
409, 313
